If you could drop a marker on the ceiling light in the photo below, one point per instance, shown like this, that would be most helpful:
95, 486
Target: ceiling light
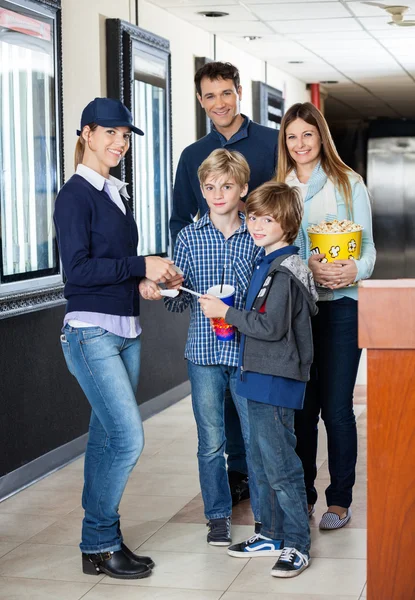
295, 62
329, 82
251, 38
212, 14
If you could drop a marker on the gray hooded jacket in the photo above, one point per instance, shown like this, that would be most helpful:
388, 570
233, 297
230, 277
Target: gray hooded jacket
279, 340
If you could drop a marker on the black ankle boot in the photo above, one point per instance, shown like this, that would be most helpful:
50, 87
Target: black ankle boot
145, 560
114, 564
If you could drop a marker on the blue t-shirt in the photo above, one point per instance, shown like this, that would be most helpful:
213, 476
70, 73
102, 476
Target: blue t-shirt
269, 389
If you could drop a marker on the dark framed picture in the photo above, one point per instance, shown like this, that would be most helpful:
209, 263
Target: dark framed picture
268, 104
203, 123
31, 154
138, 73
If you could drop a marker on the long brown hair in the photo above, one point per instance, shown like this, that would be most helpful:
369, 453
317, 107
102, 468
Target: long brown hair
331, 162
80, 146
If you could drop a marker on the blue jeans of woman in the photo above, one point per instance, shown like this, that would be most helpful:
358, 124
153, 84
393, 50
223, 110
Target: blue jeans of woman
209, 384
330, 390
279, 474
107, 368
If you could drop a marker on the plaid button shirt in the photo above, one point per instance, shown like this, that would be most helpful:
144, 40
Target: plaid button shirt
202, 253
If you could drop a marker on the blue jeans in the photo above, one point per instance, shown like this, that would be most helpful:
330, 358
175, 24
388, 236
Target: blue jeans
107, 369
279, 473
330, 390
209, 384
235, 446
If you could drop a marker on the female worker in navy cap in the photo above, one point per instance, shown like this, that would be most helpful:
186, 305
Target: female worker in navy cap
97, 237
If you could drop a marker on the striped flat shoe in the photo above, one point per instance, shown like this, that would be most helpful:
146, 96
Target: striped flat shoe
332, 521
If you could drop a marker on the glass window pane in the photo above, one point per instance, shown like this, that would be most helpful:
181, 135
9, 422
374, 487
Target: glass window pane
151, 164
28, 152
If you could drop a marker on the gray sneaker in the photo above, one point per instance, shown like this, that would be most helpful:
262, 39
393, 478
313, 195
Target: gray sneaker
219, 532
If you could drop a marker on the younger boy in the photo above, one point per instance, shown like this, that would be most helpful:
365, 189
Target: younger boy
274, 362
216, 249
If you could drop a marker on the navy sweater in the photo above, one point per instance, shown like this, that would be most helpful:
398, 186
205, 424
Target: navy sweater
257, 143
98, 248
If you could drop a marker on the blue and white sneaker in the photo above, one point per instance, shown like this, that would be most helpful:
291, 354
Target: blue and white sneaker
290, 563
257, 545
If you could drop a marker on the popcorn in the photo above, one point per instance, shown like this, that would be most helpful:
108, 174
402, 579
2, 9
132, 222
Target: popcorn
344, 226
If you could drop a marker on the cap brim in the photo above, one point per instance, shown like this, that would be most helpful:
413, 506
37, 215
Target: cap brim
116, 124
135, 129
112, 123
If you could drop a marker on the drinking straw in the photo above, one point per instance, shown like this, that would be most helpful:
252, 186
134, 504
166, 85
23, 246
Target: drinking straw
222, 279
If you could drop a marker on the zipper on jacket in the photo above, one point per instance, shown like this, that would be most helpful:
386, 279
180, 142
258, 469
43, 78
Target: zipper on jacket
242, 373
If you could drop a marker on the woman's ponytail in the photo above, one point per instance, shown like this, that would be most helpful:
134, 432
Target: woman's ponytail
79, 151
80, 146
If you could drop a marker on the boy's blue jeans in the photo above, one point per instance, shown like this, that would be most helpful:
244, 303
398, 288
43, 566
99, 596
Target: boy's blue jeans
209, 384
107, 369
279, 475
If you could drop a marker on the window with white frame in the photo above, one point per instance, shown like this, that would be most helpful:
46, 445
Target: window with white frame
29, 145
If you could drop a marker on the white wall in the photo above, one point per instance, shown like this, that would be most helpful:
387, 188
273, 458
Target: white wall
186, 42
84, 65
293, 89
83, 47
250, 68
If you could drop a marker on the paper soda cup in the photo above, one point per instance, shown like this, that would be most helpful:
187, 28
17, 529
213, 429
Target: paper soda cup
222, 329
336, 246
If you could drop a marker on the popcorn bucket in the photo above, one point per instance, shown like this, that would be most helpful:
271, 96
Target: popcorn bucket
222, 329
336, 246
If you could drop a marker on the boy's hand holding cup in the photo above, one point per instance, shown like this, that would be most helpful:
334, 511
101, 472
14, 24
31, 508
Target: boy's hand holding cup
215, 305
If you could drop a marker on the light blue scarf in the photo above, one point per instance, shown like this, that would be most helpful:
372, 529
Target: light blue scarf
316, 182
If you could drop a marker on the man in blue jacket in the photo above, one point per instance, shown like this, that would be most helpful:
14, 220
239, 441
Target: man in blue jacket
219, 93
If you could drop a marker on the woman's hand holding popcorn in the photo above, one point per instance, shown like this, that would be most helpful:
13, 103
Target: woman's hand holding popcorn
348, 273
327, 273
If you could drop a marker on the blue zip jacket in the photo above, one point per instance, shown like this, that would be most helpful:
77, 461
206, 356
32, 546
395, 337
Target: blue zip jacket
98, 249
258, 144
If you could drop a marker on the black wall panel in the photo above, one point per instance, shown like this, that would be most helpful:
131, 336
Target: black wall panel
41, 404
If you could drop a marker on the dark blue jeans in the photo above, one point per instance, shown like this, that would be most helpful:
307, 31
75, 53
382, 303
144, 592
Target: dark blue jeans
235, 445
279, 474
330, 391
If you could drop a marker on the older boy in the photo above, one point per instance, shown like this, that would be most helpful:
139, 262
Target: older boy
218, 244
219, 92
274, 362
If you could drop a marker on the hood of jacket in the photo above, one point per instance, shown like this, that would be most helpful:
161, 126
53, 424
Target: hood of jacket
299, 274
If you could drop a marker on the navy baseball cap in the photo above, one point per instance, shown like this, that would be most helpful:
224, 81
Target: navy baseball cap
107, 112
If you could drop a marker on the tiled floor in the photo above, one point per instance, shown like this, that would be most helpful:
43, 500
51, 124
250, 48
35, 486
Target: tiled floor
162, 514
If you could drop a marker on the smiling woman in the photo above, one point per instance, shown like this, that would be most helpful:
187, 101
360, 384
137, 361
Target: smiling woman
308, 160
97, 237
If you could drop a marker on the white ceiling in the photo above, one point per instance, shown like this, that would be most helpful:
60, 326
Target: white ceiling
342, 40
